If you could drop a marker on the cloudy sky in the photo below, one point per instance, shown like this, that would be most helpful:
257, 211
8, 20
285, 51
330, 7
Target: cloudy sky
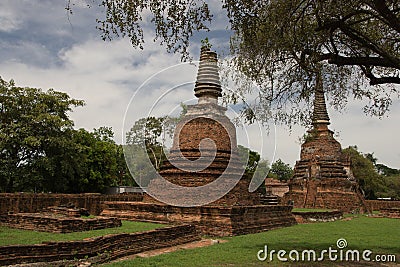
41, 46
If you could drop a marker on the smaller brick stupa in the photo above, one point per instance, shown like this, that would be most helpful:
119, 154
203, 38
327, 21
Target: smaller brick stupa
196, 178
322, 177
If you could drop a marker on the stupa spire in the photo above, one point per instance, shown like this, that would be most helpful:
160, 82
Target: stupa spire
208, 85
320, 114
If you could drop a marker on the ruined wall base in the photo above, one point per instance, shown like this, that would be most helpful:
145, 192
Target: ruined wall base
347, 202
98, 249
32, 203
209, 220
53, 224
312, 216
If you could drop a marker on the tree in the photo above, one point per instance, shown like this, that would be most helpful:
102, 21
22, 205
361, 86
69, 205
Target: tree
88, 162
282, 170
256, 168
249, 159
41, 152
386, 171
364, 171
284, 45
146, 133
33, 125
124, 177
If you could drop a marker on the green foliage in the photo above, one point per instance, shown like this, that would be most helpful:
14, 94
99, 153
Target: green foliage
41, 152
150, 134
283, 45
174, 21
249, 159
255, 167
371, 182
282, 170
386, 171
146, 133
34, 129
206, 43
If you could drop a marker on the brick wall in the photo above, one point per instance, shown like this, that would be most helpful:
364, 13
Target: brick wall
210, 220
382, 204
112, 246
390, 212
31, 203
48, 223
327, 216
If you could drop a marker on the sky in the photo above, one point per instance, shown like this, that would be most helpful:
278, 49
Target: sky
42, 46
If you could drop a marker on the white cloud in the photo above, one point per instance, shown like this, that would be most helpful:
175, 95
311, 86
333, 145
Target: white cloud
8, 21
47, 52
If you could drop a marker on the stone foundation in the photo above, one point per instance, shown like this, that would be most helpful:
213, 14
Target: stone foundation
210, 220
50, 223
32, 203
99, 249
382, 204
390, 213
326, 216
337, 194
276, 187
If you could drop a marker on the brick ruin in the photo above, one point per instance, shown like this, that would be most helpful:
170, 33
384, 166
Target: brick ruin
275, 187
58, 220
207, 136
36, 202
322, 177
317, 216
96, 250
390, 213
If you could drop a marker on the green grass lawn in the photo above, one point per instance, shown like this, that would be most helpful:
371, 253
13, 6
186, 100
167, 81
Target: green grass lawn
10, 236
381, 235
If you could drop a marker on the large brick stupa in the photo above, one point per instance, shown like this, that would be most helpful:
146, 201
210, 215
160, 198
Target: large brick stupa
204, 160
204, 150
322, 177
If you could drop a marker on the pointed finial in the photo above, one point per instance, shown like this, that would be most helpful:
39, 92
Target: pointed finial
208, 85
320, 115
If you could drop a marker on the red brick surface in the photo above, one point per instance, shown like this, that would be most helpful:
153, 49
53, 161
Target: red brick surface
55, 224
110, 246
210, 220
32, 203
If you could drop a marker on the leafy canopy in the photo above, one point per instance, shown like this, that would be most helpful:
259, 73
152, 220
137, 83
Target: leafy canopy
376, 180
281, 170
41, 152
33, 125
283, 46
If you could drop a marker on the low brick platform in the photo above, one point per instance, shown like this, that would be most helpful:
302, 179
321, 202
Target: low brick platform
327, 194
210, 220
99, 249
390, 213
382, 204
313, 216
31, 202
51, 223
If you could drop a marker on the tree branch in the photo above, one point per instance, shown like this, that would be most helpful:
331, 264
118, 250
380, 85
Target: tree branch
383, 80
386, 13
360, 61
373, 80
